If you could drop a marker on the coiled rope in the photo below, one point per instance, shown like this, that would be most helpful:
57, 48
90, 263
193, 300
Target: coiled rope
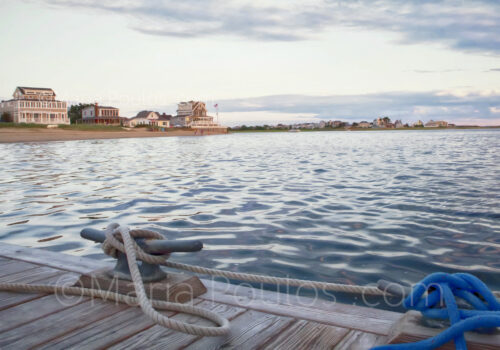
484, 315
121, 239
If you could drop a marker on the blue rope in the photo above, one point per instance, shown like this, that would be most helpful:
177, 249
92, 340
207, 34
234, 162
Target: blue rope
485, 314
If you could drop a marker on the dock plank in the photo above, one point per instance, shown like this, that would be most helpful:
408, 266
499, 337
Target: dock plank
332, 318
30, 275
292, 299
10, 299
57, 260
35, 309
34, 334
357, 340
15, 266
105, 332
307, 335
157, 337
250, 330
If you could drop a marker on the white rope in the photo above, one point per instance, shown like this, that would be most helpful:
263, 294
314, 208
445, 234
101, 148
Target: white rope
113, 244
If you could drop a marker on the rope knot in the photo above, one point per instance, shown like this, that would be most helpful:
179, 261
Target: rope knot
114, 243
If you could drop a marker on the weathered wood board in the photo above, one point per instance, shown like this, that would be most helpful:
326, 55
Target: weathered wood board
176, 287
410, 329
260, 319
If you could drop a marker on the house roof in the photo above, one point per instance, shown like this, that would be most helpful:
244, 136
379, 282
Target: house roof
24, 88
165, 117
142, 114
99, 106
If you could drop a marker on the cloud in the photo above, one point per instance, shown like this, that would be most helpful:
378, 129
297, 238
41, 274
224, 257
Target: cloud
408, 106
471, 26
493, 70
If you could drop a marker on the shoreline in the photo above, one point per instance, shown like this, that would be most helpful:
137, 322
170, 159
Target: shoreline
16, 135
367, 129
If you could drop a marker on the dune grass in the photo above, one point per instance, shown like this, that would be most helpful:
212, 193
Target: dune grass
22, 126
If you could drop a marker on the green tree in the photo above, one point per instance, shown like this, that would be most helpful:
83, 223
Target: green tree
75, 112
6, 117
386, 119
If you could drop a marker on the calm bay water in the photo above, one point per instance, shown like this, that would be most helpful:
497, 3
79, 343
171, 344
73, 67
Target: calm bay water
350, 207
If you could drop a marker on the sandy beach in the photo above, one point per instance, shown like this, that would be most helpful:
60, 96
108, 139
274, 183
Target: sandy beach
10, 135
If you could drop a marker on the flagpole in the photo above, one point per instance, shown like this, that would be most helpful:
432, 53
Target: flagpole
217, 112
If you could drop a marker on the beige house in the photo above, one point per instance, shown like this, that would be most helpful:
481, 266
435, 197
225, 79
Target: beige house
436, 124
96, 114
143, 118
150, 118
364, 125
35, 105
193, 114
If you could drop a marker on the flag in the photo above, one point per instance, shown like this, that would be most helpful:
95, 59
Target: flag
216, 105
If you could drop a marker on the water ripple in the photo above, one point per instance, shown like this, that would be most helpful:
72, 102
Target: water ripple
339, 207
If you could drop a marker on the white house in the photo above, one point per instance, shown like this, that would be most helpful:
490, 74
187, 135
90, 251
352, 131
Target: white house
35, 105
143, 118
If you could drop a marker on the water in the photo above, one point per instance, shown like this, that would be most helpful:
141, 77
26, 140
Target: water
348, 207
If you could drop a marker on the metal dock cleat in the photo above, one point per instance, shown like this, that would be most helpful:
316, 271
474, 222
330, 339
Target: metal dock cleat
149, 272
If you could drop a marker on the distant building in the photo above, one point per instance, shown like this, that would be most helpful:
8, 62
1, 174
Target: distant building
187, 111
364, 125
35, 105
337, 124
193, 114
383, 123
398, 124
163, 121
418, 124
150, 118
436, 124
95, 114
143, 118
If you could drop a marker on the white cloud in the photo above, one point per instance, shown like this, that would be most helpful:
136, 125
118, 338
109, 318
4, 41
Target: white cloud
466, 26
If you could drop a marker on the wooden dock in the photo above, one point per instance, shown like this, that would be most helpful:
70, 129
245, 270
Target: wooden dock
259, 319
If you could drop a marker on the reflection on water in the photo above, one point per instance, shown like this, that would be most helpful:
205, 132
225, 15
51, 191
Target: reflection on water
342, 207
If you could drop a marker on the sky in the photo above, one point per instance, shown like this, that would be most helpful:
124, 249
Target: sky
262, 62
